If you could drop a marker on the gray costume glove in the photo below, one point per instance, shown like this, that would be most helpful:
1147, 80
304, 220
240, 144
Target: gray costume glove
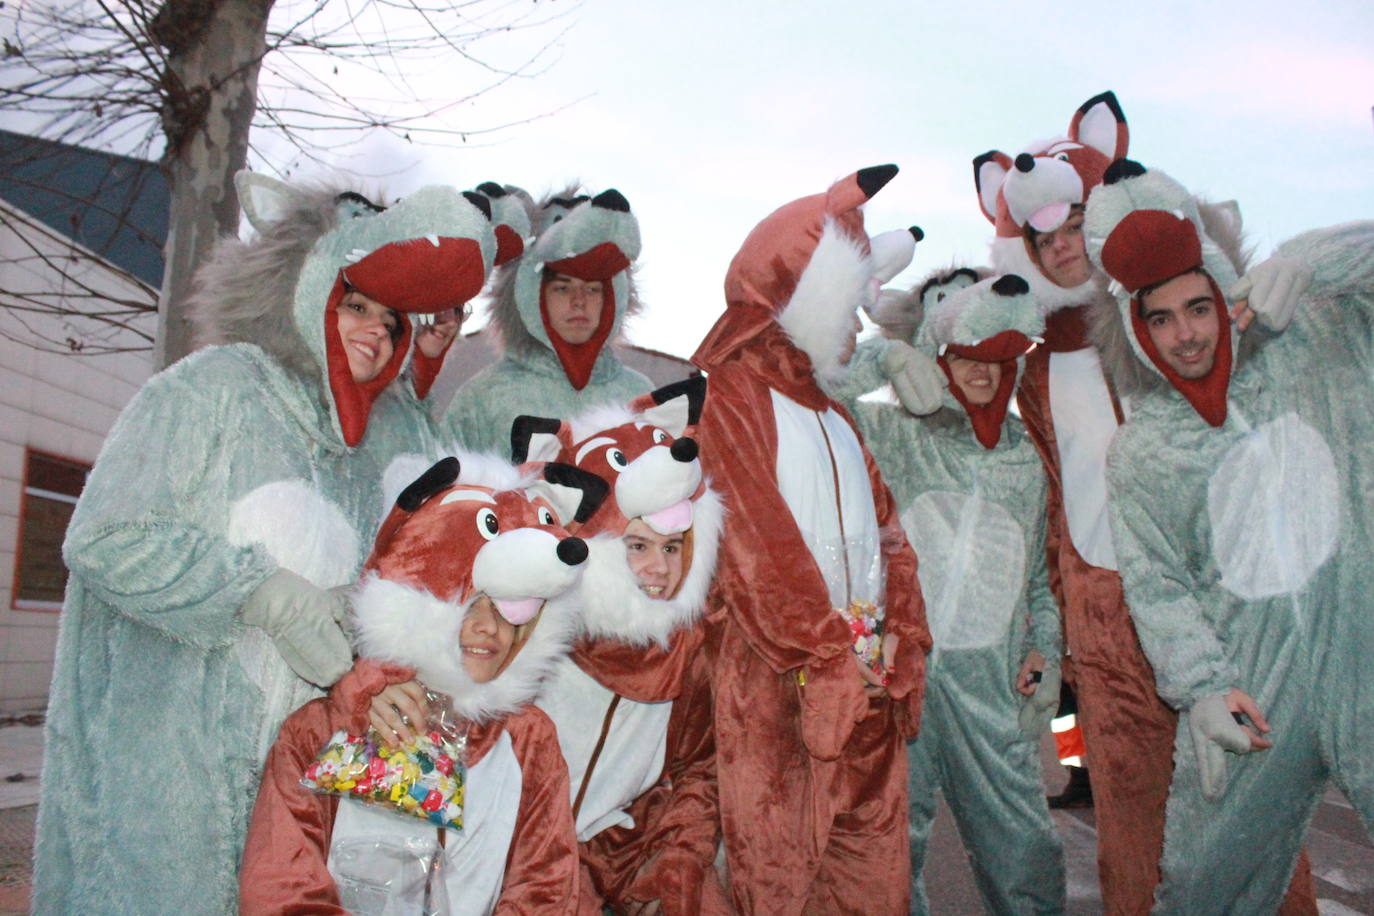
303, 623
916, 378
1214, 732
1273, 288
1038, 709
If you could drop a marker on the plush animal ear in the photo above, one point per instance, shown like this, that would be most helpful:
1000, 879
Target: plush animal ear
989, 170
673, 407
440, 475
1101, 124
264, 200
575, 493
536, 438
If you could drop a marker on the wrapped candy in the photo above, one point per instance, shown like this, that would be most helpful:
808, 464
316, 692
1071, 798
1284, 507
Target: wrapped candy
865, 621
426, 777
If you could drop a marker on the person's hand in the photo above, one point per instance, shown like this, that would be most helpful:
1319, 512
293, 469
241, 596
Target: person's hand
916, 379
875, 684
302, 620
433, 339
1270, 291
1026, 681
399, 712
1214, 729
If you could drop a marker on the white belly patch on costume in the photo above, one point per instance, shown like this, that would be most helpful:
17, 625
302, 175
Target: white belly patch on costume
304, 532
632, 758
1274, 509
1084, 424
380, 860
972, 567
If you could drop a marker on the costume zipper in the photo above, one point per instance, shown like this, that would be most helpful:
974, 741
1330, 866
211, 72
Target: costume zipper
432, 872
596, 755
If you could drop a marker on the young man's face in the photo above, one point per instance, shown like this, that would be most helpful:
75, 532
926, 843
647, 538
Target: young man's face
365, 327
655, 559
977, 381
485, 638
1061, 253
1181, 318
573, 307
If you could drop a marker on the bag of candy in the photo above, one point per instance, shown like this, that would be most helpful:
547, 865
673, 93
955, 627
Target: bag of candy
424, 778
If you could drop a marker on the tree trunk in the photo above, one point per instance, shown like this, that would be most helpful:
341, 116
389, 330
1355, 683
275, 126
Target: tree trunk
210, 91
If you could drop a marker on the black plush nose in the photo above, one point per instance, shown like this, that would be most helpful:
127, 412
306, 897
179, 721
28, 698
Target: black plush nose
611, 199
684, 449
572, 551
1011, 285
1025, 162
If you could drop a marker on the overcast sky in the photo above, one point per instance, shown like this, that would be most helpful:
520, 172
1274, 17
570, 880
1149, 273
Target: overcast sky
707, 115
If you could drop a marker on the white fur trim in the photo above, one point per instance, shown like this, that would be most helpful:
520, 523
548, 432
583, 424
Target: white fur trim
597, 419
820, 315
611, 603
397, 623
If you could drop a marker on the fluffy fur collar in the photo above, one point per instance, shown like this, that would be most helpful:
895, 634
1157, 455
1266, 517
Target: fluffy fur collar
396, 623
819, 316
612, 606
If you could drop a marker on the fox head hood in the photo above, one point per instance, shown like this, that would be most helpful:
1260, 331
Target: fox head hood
793, 288
646, 451
471, 527
1143, 228
429, 252
1039, 186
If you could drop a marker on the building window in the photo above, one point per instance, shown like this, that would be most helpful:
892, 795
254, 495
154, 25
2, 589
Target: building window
51, 487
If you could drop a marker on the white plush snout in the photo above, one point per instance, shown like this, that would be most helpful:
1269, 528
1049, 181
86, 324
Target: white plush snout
655, 480
522, 564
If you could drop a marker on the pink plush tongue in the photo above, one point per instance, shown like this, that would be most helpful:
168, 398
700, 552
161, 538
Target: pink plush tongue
518, 610
672, 520
1049, 217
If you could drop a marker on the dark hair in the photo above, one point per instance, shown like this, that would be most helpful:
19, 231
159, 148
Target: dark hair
1032, 233
1144, 291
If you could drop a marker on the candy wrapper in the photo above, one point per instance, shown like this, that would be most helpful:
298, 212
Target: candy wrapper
866, 625
425, 777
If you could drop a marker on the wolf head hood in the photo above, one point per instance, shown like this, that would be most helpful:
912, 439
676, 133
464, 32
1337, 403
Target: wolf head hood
590, 238
1143, 228
470, 527
646, 451
1040, 185
995, 320
792, 289
279, 291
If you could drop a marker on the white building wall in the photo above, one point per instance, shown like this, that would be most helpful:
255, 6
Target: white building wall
59, 403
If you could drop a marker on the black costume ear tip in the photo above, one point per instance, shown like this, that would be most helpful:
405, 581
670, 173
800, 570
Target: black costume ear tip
439, 475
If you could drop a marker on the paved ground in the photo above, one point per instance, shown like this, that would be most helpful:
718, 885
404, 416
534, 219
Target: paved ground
1342, 856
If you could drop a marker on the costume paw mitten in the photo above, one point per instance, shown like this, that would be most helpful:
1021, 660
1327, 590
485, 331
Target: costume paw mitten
302, 620
1273, 288
1214, 732
915, 377
1038, 708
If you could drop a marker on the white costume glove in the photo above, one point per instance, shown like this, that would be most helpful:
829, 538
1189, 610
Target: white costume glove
1273, 288
915, 377
1038, 709
303, 623
1214, 732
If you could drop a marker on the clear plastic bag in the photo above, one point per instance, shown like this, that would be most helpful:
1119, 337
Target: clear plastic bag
390, 876
424, 778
